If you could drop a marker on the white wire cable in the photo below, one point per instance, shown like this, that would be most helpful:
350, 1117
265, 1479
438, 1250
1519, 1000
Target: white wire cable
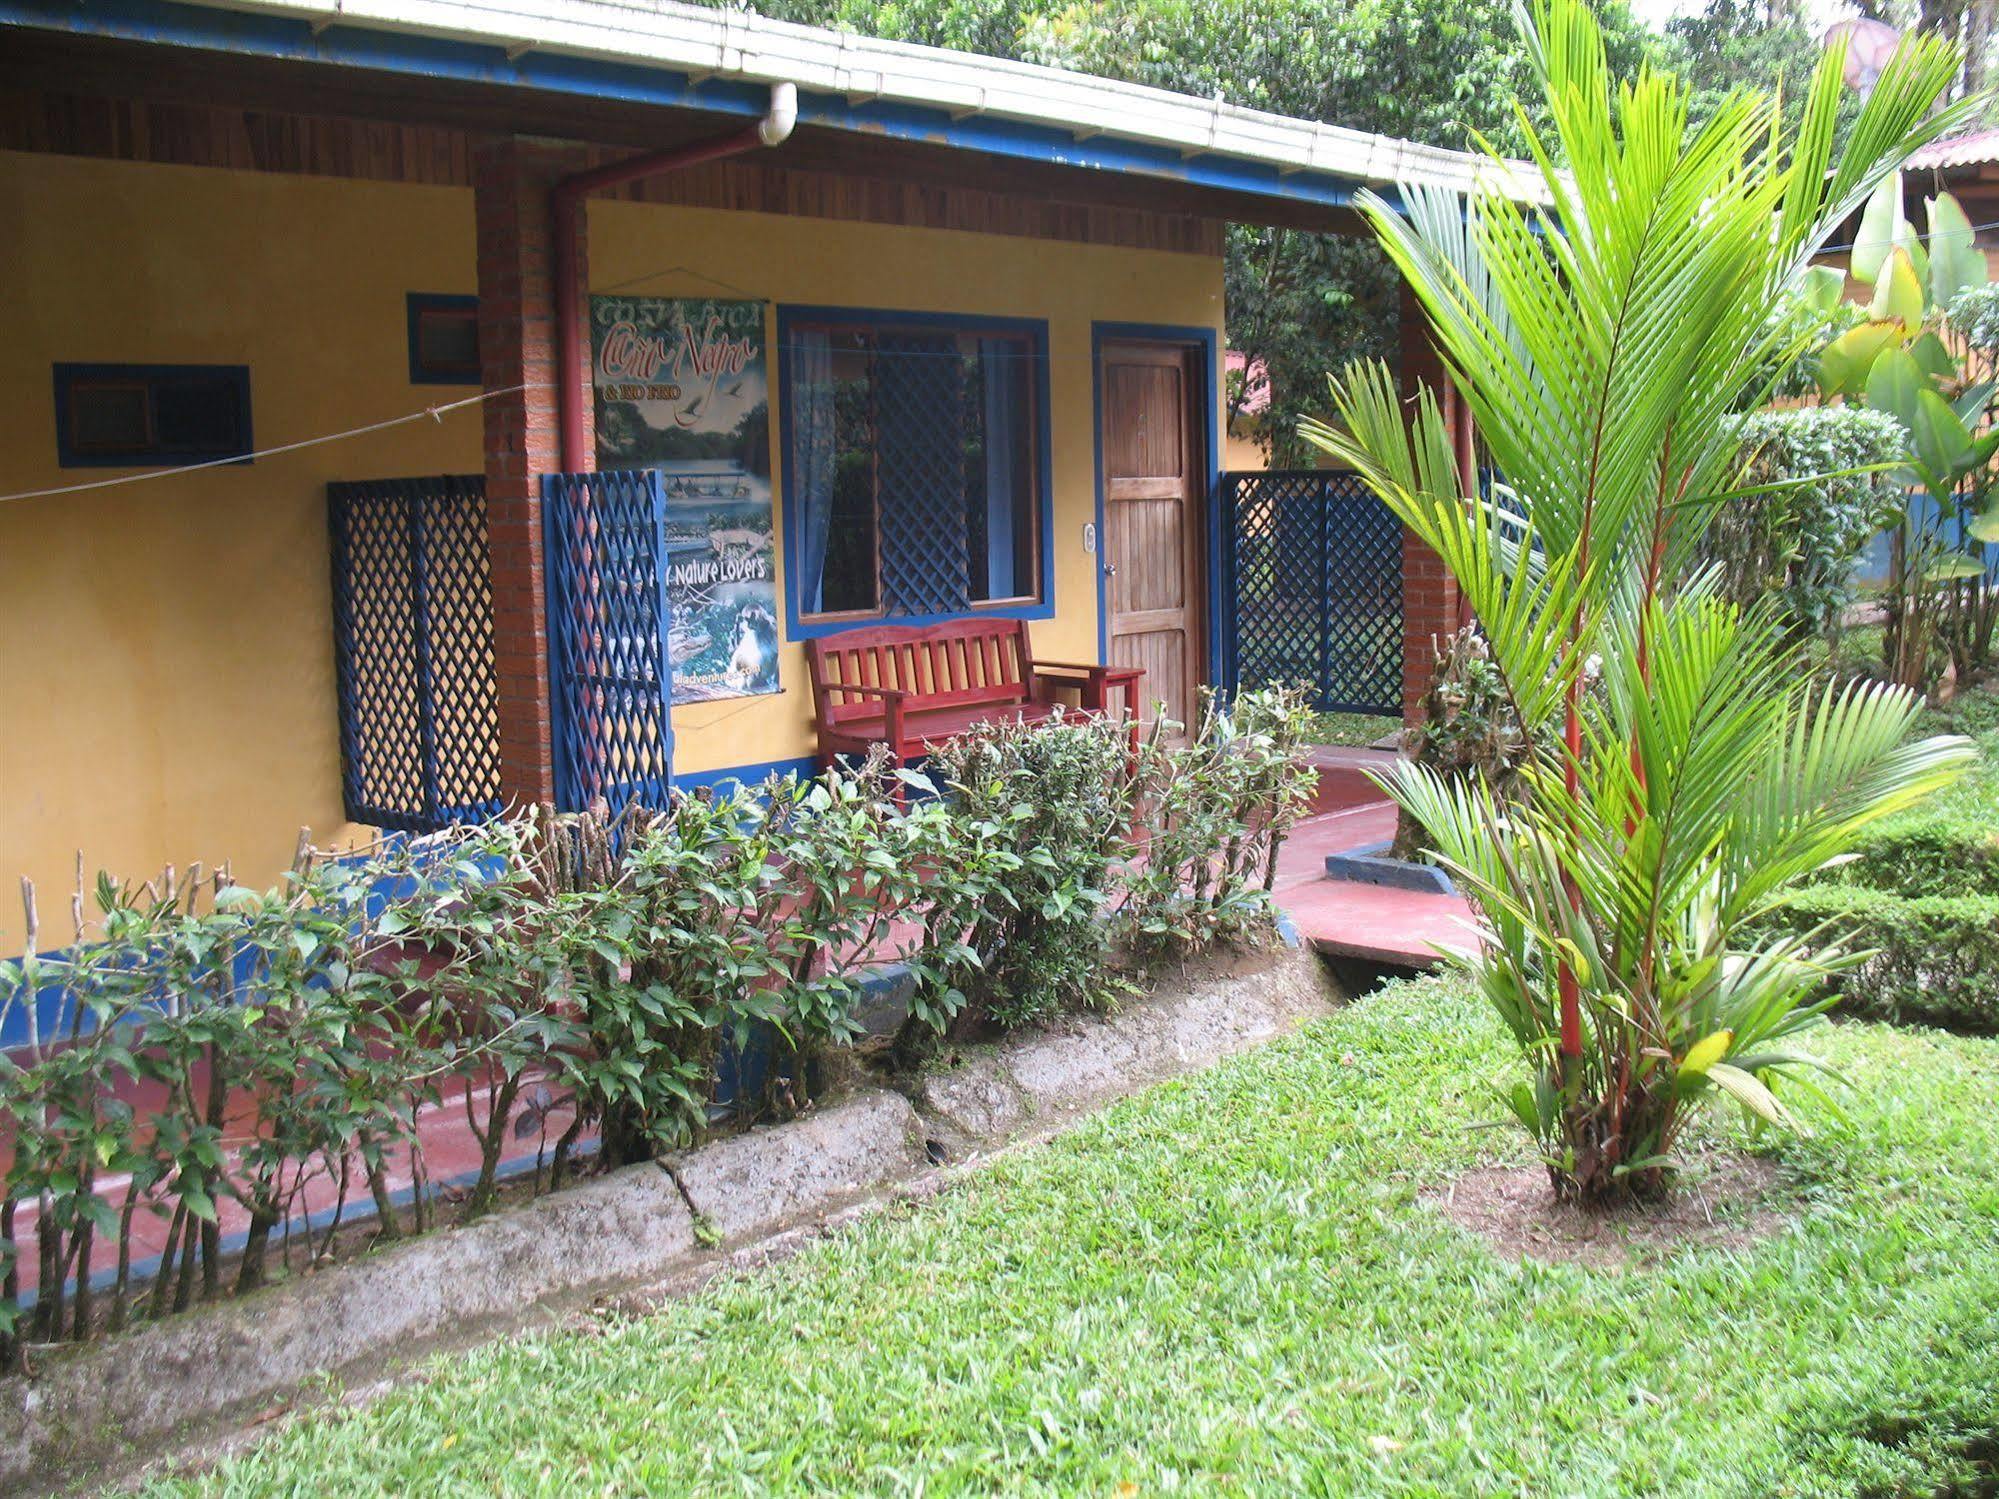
435, 413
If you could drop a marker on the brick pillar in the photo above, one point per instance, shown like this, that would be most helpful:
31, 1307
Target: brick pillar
1430, 604
510, 184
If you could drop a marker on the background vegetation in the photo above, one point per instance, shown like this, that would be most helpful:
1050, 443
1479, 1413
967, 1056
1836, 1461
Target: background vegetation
1443, 72
1921, 895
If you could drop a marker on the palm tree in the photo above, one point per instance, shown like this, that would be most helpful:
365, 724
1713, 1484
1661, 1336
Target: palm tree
1601, 335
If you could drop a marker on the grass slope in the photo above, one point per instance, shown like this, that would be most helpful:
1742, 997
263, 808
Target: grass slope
1227, 1285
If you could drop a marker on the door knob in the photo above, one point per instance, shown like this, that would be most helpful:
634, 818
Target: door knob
1110, 569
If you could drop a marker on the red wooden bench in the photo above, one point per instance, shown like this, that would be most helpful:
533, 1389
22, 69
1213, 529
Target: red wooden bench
914, 686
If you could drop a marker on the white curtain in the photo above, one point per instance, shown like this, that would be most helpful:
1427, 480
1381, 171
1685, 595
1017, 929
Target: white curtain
811, 354
998, 359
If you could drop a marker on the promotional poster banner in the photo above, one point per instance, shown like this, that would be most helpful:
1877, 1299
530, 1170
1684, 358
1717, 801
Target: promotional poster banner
682, 386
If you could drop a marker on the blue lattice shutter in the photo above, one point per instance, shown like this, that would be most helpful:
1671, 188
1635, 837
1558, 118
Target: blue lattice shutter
413, 651
1313, 591
611, 679
919, 473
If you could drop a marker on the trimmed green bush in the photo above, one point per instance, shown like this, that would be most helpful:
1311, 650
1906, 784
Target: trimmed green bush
603, 967
1935, 854
1935, 957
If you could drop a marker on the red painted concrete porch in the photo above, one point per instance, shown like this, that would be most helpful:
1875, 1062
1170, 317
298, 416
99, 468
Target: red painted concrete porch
1370, 923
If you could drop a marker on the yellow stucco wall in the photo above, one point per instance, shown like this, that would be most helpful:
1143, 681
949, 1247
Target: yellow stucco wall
1243, 454
169, 688
169, 660
650, 250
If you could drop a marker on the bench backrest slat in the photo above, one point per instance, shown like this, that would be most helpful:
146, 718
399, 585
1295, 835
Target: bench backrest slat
948, 665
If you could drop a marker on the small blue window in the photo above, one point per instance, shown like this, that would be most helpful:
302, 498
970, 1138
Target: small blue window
120, 415
444, 339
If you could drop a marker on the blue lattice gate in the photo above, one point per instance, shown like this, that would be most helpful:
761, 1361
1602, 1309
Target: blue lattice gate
1312, 588
610, 673
413, 651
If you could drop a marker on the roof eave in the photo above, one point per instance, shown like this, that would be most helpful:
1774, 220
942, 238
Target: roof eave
720, 61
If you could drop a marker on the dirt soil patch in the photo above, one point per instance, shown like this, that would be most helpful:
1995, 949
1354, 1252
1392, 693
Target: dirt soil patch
1725, 1200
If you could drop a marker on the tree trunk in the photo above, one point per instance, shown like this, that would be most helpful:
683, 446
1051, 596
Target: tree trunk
256, 1244
211, 1229
375, 1166
163, 1277
121, 1290
492, 1141
86, 1238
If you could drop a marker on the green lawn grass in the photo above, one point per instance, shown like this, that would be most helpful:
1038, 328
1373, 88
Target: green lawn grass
1361, 729
1974, 798
1229, 1285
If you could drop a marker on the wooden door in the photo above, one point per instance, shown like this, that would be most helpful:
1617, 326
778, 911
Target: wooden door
1155, 479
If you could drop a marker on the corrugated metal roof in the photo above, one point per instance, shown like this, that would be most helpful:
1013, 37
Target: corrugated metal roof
705, 44
1971, 149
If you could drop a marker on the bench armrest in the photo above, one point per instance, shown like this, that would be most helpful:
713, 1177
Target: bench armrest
1093, 672
893, 699
1098, 682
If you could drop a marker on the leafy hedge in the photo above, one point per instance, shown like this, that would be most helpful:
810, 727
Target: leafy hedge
548, 976
1922, 893
1930, 854
1935, 957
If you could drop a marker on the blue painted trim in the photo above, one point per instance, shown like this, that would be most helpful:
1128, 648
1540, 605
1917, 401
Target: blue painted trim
418, 303
1036, 331
417, 56
1097, 479
1209, 342
736, 777
66, 375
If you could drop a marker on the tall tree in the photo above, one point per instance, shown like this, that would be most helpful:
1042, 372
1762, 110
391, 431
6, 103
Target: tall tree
1760, 44
1443, 72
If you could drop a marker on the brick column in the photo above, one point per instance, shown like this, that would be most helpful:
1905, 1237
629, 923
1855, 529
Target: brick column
1429, 595
510, 184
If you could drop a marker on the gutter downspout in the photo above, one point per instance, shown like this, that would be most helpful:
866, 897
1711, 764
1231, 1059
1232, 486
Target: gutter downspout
565, 201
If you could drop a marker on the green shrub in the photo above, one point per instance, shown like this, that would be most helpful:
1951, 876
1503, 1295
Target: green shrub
1935, 958
1974, 317
1469, 730
596, 964
1214, 812
1060, 798
1931, 854
1801, 544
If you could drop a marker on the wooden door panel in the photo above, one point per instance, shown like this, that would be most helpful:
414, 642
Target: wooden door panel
1147, 543
1149, 438
1153, 468
1163, 654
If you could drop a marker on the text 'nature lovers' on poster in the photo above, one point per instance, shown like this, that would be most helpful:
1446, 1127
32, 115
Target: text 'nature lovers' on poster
682, 386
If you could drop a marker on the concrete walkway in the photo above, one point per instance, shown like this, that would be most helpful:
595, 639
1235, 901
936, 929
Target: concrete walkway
1373, 923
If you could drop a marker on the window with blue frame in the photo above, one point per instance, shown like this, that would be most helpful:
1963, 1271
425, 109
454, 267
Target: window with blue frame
122, 415
914, 481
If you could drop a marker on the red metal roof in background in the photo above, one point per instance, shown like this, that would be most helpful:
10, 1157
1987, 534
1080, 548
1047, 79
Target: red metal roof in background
1959, 151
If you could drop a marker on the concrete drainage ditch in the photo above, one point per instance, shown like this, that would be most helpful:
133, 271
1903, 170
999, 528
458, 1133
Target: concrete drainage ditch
652, 1228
